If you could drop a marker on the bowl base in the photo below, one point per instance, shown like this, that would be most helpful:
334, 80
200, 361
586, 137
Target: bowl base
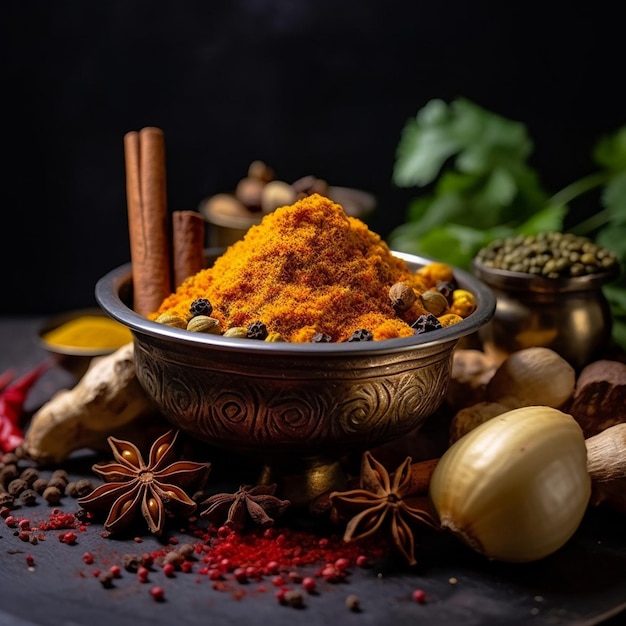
303, 480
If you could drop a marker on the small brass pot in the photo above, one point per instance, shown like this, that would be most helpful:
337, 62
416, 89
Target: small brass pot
568, 315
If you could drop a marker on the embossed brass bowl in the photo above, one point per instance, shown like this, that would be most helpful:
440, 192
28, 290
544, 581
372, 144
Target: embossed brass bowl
298, 408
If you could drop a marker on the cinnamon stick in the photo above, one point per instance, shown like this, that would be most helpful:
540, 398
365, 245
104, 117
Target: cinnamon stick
421, 473
148, 224
187, 244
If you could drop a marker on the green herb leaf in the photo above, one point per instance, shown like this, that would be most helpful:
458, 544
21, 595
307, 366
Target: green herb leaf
610, 152
614, 198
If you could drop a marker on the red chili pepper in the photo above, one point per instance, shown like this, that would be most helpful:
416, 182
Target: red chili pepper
12, 399
6, 378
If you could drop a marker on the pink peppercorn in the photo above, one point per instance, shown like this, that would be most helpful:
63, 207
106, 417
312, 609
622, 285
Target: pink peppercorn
169, 569
295, 577
309, 584
158, 593
362, 561
30, 560
280, 594
215, 574
88, 558
240, 574
142, 574
116, 571
342, 564
419, 596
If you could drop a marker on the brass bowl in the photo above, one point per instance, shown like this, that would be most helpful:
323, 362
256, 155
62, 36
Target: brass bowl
568, 315
297, 408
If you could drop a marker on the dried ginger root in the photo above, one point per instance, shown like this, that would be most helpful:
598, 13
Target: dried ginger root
469, 417
599, 400
471, 371
606, 464
107, 400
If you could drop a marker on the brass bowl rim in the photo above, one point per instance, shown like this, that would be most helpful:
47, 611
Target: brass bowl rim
523, 281
108, 288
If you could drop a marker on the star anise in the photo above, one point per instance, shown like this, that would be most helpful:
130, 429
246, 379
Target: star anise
256, 504
156, 488
383, 500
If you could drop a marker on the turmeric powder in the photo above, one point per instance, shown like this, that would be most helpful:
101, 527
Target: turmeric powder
306, 269
88, 332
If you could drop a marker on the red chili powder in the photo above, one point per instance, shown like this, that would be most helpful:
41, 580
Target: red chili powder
282, 549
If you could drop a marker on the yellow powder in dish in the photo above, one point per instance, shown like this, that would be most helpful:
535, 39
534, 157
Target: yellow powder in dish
89, 332
306, 268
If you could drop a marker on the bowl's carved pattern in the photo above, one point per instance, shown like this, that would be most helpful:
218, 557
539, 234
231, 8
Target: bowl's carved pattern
292, 411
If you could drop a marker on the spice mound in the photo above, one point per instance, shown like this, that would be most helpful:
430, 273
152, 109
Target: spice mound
310, 271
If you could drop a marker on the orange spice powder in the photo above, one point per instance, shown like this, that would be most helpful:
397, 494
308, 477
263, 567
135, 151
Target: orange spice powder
306, 268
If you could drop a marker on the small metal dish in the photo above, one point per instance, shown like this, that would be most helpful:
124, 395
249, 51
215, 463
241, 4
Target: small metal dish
75, 359
297, 408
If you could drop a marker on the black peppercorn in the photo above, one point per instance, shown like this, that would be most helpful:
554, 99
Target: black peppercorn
424, 323
201, 306
8, 473
40, 484
321, 338
29, 474
257, 330
6, 499
59, 482
361, 335
131, 562
52, 495
106, 580
59, 478
80, 488
16, 486
446, 288
28, 497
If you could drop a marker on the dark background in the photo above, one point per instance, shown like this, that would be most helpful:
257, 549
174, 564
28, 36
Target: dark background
318, 87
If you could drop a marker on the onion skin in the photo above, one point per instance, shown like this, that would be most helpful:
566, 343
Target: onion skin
516, 487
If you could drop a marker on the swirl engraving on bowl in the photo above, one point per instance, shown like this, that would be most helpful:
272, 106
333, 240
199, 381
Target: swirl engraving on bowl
311, 409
